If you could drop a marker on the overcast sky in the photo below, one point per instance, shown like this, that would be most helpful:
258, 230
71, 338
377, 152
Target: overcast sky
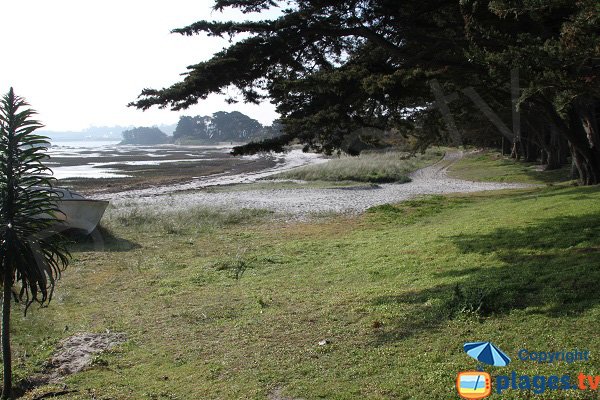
79, 63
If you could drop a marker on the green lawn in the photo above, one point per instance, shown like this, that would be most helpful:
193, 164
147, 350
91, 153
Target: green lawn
491, 166
234, 305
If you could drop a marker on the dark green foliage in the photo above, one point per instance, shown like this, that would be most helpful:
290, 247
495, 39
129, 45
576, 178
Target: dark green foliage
191, 127
334, 68
224, 127
277, 144
235, 124
144, 136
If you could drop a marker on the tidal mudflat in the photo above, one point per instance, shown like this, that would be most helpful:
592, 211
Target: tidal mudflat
105, 167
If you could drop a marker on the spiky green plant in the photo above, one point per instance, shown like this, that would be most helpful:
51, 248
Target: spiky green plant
31, 257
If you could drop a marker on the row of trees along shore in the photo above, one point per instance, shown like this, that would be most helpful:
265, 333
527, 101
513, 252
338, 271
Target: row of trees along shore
335, 67
219, 127
224, 127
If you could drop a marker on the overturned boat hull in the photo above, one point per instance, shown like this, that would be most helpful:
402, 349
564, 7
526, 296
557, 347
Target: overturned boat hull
81, 214
76, 212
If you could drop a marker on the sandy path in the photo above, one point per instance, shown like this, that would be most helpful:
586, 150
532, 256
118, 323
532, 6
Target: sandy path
304, 202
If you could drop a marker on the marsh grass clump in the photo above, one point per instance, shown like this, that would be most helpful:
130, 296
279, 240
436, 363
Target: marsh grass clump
235, 267
134, 216
470, 301
375, 167
178, 221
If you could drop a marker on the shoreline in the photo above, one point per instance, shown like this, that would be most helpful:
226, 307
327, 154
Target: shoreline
303, 203
113, 170
257, 167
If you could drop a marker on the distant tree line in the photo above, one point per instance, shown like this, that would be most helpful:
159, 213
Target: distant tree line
220, 127
435, 70
224, 127
145, 136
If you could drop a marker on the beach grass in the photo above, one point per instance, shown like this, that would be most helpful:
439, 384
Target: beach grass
173, 220
369, 166
277, 184
238, 305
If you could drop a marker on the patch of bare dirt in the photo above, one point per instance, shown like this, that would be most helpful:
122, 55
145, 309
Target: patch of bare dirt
276, 394
74, 354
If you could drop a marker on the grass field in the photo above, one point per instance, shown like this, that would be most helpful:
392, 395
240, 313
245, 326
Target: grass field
233, 305
375, 167
492, 166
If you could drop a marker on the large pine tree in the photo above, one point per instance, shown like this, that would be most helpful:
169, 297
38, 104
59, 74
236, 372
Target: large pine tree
332, 67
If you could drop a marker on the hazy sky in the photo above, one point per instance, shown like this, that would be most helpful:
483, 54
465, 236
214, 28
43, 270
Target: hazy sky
79, 63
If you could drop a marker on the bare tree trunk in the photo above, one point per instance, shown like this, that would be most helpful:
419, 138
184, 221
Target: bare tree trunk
587, 164
555, 159
585, 150
544, 157
580, 128
516, 150
6, 356
574, 170
531, 151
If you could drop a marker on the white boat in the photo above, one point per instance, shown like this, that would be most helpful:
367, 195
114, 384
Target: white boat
78, 213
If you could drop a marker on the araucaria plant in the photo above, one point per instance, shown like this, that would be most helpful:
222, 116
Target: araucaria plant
31, 253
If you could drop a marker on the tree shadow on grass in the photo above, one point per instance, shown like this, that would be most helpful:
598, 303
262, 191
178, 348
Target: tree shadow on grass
551, 268
101, 239
553, 176
567, 193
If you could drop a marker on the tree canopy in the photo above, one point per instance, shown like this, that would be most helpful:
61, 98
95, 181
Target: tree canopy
434, 69
223, 126
144, 136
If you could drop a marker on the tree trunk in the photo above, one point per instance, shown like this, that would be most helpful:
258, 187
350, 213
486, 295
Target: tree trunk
574, 170
581, 130
6, 356
587, 164
544, 157
516, 150
552, 161
585, 143
531, 152
556, 154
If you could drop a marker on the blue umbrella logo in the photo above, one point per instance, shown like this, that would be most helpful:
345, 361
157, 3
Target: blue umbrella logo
487, 353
